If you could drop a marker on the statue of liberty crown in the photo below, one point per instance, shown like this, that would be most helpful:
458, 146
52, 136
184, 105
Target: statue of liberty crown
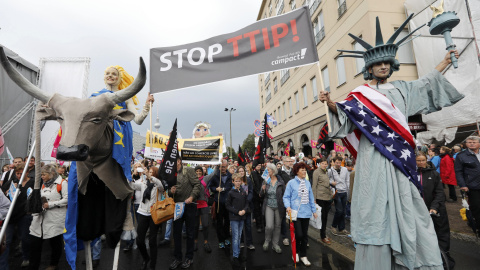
382, 52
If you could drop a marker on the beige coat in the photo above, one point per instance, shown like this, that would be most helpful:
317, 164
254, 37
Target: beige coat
51, 222
321, 185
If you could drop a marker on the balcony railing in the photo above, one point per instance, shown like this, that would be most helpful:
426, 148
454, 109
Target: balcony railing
267, 78
314, 6
269, 96
280, 8
285, 76
342, 9
320, 35
275, 89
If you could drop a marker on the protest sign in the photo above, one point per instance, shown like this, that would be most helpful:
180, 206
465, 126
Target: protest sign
275, 43
179, 209
266, 176
339, 148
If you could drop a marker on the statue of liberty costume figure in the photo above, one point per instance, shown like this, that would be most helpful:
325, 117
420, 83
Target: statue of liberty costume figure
389, 220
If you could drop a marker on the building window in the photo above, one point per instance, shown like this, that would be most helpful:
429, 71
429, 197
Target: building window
284, 112
269, 95
284, 75
290, 105
292, 5
305, 97
267, 77
405, 52
280, 7
279, 119
313, 81
297, 102
341, 76
360, 63
270, 8
342, 7
318, 28
275, 86
275, 114
313, 5
261, 101
326, 79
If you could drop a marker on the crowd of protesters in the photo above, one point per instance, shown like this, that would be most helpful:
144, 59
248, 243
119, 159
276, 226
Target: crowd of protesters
235, 199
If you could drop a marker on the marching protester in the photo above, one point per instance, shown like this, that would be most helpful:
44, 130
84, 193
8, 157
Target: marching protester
49, 224
286, 173
434, 198
323, 195
9, 176
247, 186
299, 197
219, 186
150, 189
4, 206
273, 207
340, 179
237, 206
257, 181
19, 221
447, 172
188, 189
467, 171
203, 213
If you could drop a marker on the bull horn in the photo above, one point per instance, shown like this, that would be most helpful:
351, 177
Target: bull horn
134, 88
23, 83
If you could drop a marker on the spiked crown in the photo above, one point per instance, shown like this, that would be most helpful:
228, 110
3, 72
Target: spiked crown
382, 52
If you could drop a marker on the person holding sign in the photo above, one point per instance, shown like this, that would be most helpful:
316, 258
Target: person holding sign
273, 209
299, 197
187, 189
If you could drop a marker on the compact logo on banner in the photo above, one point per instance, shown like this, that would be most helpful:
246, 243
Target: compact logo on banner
271, 44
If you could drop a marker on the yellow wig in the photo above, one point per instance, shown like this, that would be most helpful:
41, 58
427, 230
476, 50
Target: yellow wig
125, 80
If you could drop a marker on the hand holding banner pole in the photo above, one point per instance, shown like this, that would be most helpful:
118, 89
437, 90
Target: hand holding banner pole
324, 103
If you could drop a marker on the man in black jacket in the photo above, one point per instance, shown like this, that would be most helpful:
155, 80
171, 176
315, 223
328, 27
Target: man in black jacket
10, 175
219, 189
257, 181
467, 171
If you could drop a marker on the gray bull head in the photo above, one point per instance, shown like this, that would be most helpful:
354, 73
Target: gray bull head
83, 121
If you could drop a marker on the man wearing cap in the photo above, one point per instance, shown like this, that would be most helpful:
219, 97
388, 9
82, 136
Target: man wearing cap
390, 224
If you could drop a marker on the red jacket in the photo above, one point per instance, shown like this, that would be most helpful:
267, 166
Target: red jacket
447, 172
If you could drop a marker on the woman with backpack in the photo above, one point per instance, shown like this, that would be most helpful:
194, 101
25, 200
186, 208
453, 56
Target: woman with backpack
49, 224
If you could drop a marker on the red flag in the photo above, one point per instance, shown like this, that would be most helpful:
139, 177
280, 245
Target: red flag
323, 137
287, 150
293, 241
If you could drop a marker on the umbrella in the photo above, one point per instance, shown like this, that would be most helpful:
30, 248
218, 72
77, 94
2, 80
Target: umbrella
293, 241
468, 213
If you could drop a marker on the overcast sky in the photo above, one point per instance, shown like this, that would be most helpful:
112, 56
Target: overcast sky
118, 32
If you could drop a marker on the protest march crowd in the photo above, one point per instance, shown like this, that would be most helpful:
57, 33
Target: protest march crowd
235, 198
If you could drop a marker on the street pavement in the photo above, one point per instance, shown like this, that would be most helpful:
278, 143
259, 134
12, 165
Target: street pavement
320, 256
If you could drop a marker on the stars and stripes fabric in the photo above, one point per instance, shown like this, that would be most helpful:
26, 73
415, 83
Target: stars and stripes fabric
384, 126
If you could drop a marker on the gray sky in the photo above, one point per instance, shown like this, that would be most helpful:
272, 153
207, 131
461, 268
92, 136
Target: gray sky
118, 32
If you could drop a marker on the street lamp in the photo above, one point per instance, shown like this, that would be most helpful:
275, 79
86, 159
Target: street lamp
231, 109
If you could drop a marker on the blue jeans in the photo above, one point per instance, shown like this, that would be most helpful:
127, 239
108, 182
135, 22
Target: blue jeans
168, 229
237, 226
339, 217
23, 229
248, 229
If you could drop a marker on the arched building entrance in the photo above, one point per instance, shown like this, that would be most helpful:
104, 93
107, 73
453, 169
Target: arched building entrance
306, 146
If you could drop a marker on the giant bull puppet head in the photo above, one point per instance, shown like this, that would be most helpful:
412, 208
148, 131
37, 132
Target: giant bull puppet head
82, 120
87, 128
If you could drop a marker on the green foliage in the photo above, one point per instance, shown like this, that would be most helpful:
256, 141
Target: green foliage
249, 144
231, 153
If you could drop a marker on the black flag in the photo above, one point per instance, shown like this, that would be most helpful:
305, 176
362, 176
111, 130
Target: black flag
168, 168
263, 144
323, 137
241, 157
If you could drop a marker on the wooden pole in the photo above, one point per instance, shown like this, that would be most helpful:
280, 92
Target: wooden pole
322, 87
151, 130
88, 254
116, 256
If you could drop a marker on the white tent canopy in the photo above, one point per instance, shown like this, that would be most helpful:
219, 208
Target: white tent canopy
430, 50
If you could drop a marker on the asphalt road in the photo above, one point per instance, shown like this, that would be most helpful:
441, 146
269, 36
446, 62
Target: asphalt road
321, 257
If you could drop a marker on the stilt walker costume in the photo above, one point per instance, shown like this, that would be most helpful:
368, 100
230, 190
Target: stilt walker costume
390, 224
